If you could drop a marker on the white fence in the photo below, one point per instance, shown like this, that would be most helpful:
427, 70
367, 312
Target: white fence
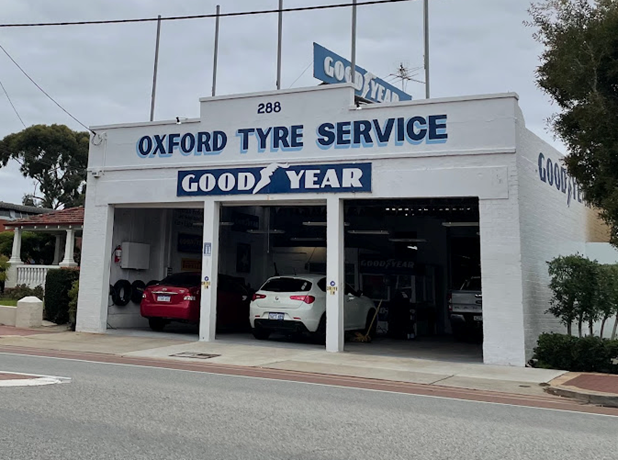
33, 275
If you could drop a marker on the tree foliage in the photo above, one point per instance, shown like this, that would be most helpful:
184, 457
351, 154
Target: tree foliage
54, 156
575, 285
579, 70
35, 245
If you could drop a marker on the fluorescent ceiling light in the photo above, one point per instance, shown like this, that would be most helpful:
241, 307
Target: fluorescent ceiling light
369, 232
407, 240
314, 224
320, 224
460, 224
263, 232
226, 224
414, 248
307, 239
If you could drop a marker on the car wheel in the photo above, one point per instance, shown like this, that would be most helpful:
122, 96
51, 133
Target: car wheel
260, 334
319, 336
157, 324
374, 327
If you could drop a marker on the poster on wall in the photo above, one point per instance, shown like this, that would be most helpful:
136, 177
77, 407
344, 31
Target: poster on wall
191, 265
243, 258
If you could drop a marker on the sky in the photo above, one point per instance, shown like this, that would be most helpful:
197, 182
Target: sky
102, 74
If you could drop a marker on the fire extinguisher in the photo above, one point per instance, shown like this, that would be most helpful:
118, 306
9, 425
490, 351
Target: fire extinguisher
117, 254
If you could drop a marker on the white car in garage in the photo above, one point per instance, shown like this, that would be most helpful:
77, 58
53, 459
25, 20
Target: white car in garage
297, 304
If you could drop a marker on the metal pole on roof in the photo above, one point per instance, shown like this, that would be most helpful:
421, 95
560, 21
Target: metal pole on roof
154, 74
279, 40
426, 30
216, 53
353, 52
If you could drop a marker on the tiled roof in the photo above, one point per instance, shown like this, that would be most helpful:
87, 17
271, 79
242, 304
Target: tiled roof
24, 209
70, 216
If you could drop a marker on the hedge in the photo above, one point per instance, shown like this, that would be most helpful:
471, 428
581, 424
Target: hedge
577, 354
57, 286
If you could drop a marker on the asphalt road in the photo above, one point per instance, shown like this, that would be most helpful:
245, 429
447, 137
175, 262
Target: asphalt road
127, 412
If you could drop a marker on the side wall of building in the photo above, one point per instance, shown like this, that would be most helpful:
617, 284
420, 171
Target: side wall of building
554, 221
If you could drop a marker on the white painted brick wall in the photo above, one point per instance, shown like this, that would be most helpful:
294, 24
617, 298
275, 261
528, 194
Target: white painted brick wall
549, 228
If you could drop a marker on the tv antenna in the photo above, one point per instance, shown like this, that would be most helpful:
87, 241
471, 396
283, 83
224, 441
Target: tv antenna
405, 74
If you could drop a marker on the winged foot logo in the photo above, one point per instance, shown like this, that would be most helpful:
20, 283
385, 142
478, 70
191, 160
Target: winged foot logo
276, 178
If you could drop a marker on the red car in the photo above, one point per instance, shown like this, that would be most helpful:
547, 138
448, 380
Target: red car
177, 298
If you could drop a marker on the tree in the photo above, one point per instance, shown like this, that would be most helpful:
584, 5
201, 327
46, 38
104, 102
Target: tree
4, 267
575, 286
608, 295
54, 156
579, 71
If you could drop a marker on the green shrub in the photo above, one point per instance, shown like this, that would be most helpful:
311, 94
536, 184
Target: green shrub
57, 286
73, 293
577, 354
21, 290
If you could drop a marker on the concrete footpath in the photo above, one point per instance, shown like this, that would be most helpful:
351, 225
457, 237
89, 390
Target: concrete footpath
291, 357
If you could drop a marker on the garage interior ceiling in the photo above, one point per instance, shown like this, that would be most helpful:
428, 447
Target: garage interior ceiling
394, 221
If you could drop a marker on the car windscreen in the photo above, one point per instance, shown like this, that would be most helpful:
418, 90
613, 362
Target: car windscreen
181, 280
286, 285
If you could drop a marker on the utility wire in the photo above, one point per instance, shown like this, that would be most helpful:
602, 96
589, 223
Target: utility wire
302, 73
42, 90
200, 16
12, 105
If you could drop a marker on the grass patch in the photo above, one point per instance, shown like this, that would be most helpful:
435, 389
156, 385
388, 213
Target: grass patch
8, 302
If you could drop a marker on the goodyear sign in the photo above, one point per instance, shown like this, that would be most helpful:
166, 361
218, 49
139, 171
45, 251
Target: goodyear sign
276, 178
331, 68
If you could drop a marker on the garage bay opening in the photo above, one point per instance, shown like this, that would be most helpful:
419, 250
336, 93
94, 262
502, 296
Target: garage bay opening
418, 260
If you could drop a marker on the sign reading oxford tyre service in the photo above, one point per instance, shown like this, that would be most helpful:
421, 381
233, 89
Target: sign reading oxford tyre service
331, 68
276, 178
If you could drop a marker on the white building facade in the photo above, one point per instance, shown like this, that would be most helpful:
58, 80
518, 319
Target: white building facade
316, 146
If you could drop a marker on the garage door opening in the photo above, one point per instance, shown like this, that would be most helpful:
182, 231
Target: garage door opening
279, 251
419, 261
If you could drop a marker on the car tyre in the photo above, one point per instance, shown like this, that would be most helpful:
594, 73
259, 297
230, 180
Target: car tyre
319, 336
157, 324
260, 334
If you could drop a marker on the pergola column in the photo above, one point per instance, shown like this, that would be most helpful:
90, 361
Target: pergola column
15, 259
69, 248
57, 249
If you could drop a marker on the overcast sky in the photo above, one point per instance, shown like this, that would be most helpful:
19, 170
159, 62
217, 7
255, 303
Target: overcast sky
103, 73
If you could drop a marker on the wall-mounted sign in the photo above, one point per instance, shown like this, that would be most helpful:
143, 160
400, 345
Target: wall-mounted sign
189, 244
331, 68
190, 265
553, 174
243, 222
276, 178
372, 264
366, 133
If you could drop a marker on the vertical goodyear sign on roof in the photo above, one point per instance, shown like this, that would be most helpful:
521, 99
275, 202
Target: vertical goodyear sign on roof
332, 68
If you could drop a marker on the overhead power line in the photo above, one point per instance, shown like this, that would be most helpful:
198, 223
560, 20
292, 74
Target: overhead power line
42, 90
12, 105
201, 16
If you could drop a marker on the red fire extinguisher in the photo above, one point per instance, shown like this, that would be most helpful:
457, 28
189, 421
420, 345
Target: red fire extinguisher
117, 254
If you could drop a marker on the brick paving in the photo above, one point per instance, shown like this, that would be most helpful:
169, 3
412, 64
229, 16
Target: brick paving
595, 382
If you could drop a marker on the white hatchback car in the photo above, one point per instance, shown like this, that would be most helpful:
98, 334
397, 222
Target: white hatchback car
297, 304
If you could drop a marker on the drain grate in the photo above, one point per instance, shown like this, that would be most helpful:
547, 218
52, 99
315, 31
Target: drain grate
189, 354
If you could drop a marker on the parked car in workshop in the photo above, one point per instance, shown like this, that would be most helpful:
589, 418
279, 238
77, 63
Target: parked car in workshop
297, 305
177, 298
466, 310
